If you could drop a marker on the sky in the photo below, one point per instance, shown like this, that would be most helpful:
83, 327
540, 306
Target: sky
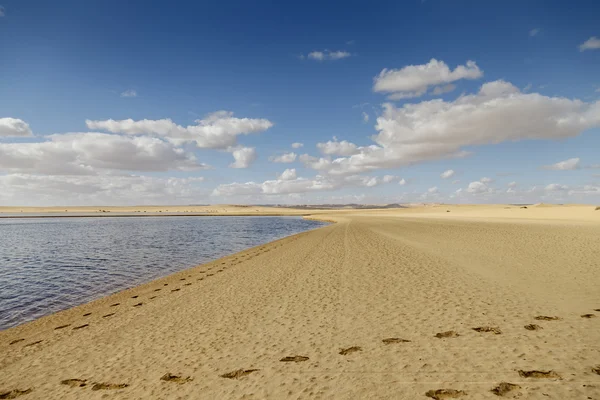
138, 103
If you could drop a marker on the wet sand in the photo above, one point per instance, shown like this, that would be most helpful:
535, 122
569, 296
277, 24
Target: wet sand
382, 304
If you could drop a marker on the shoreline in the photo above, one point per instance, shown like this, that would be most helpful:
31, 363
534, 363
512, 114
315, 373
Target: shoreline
370, 276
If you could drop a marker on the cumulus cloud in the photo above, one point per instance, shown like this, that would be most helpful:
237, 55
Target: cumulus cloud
85, 153
443, 89
297, 185
14, 127
567, 165
285, 158
414, 80
297, 145
592, 43
106, 189
432, 190
485, 179
438, 129
218, 130
534, 32
129, 93
402, 182
334, 147
243, 156
512, 184
327, 55
478, 188
556, 187
288, 175
447, 174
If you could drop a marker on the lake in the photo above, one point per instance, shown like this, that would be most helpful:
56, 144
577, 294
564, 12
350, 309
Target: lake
51, 264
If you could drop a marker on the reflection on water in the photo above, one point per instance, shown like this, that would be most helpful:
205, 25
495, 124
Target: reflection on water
48, 265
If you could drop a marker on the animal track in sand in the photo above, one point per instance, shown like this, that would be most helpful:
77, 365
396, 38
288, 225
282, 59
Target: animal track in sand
394, 340
109, 386
187, 284
81, 326
546, 318
166, 284
533, 327
135, 297
175, 290
74, 382
494, 329
169, 377
349, 350
114, 305
588, 316
294, 359
108, 315
441, 394
504, 388
138, 304
597, 309
596, 369
157, 290
16, 341
447, 334
539, 374
33, 343
182, 279
61, 327
13, 394
153, 297
237, 374
87, 314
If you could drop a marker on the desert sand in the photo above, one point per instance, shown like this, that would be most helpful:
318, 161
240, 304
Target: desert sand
385, 304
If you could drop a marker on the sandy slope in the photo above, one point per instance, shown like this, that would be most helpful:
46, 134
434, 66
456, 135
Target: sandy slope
370, 277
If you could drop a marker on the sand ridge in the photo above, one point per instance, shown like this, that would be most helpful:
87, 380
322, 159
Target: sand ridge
348, 311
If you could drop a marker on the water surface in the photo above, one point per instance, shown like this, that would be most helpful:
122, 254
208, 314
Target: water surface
50, 264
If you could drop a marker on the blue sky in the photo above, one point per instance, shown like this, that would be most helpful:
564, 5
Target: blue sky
496, 90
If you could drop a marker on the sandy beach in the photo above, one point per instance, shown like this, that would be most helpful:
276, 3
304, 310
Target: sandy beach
382, 304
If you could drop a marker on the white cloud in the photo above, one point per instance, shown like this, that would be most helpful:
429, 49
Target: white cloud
388, 178
414, 80
512, 184
297, 145
527, 88
129, 93
288, 175
485, 179
447, 174
456, 181
85, 153
284, 158
478, 188
327, 55
534, 32
402, 182
438, 129
243, 156
365, 117
218, 130
443, 89
555, 187
14, 127
297, 185
567, 165
40, 190
592, 43
433, 190
334, 147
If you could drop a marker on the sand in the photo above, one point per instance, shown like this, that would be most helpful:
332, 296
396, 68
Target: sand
381, 304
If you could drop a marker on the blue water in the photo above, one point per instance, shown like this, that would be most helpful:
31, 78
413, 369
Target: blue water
50, 264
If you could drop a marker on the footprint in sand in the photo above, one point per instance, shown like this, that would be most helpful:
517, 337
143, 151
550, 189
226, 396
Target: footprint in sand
108, 315
533, 327
394, 340
153, 297
62, 327
16, 341
138, 304
135, 297
114, 305
81, 326
588, 316
493, 329
33, 343
87, 314
175, 290
596, 369
294, 359
546, 318
109, 386
187, 284
13, 394
349, 350
441, 394
74, 382
157, 290
182, 279
447, 334
539, 374
169, 377
237, 374
504, 388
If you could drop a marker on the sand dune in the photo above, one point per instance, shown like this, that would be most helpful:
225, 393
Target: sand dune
386, 305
